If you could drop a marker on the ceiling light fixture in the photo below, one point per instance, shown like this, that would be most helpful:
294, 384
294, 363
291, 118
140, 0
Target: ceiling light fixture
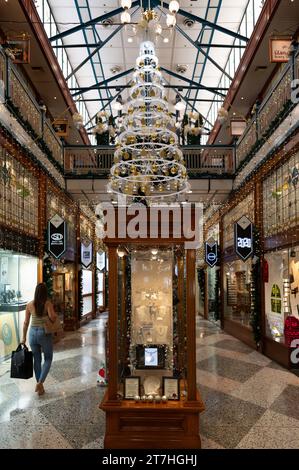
126, 4
149, 27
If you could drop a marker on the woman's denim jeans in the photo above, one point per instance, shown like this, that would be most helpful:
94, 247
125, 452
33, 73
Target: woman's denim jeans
41, 342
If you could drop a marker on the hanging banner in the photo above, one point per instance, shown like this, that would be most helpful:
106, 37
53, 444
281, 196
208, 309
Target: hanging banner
86, 254
244, 238
56, 236
211, 253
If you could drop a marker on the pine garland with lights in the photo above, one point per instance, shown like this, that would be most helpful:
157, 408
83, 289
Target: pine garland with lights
48, 275
201, 282
80, 294
256, 282
217, 296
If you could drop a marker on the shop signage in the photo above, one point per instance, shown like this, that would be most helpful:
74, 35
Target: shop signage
211, 253
56, 236
244, 238
279, 49
101, 256
86, 254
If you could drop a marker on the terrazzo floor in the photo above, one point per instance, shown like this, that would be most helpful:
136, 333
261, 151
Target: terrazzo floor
251, 402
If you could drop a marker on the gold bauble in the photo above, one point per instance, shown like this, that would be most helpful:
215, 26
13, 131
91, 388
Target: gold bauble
163, 153
160, 188
154, 167
173, 170
171, 140
126, 156
116, 171
130, 110
116, 159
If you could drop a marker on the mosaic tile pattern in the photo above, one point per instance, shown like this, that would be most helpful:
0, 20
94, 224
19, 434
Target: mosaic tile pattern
251, 402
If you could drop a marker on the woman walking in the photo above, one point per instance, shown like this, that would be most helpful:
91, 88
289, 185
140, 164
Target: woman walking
39, 341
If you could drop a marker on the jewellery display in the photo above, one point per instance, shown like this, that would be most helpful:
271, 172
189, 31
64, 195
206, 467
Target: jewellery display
151, 385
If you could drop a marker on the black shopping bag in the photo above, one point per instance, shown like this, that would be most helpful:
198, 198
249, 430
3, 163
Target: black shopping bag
21, 363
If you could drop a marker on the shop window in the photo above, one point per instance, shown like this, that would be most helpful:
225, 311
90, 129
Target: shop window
18, 279
281, 292
18, 195
281, 198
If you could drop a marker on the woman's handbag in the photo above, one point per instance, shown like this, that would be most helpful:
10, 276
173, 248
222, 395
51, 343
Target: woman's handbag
52, 326
21, 363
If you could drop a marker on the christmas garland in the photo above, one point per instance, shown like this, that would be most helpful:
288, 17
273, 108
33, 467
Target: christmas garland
201, 282
48, 275
38, 139
96, 288
80, 294
217, 296
255, 316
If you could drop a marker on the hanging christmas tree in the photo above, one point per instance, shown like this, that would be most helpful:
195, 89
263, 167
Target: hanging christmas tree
148, 162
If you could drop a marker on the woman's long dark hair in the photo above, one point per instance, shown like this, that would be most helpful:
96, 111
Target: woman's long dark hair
40, 298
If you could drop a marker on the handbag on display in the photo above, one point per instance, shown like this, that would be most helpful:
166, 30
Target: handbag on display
21, 363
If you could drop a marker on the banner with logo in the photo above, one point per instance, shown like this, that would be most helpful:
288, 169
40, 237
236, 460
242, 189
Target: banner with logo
56, 236
86, 254
244, 238
211, 253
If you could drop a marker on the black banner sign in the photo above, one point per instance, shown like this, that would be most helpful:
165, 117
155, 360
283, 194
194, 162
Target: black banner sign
56, 236
86, 254
211, 253
244, 238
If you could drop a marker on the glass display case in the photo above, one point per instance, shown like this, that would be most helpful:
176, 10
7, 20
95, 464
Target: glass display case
152, 400
18, 279
237, 291
63, 297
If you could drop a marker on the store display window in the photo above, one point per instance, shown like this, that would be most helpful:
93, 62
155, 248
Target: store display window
87, 291
237, 291
18, 195
101, 259
18, 279
282, 295
281, 198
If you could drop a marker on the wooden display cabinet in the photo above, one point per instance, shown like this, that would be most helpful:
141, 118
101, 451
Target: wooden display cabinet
170, 284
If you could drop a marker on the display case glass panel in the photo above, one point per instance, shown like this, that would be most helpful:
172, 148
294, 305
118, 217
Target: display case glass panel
150, 345
18, 279
237, 291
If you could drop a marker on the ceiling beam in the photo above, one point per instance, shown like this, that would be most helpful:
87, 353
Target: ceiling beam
97, 49
222, 46
94, 21
192, 83
202, 21
199, 48
104, 82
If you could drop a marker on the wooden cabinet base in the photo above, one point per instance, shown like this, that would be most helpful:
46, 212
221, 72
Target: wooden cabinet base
173, 425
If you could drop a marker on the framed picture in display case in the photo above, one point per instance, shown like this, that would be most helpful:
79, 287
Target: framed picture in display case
132, 387
171, 388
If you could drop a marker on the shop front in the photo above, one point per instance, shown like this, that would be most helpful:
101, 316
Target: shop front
212, 291
281, 286
63, 266
237, 276
18, 278
87, 270
19, 248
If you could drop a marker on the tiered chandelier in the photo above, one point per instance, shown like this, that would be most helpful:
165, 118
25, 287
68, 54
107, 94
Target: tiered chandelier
148, 161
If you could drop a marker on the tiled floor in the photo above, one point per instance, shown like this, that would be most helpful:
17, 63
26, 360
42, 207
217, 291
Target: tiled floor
251, 402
